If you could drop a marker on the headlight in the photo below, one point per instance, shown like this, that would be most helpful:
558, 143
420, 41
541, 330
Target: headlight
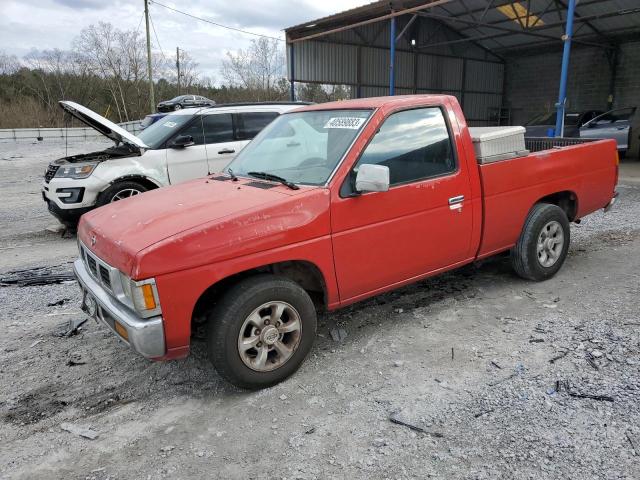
143, 295
76, 171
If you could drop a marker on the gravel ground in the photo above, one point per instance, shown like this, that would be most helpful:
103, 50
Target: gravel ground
486, 376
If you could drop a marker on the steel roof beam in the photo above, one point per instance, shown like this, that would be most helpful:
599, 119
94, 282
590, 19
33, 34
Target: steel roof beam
388, 16
546, 10
508, 31
587, 23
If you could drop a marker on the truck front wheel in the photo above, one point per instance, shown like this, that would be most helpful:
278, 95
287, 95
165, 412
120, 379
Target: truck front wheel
261, 331
543, 244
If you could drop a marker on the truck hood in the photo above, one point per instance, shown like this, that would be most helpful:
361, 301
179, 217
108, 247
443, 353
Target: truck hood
101, 124
194, 223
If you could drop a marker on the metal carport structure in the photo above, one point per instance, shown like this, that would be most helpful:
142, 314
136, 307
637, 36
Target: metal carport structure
450, 46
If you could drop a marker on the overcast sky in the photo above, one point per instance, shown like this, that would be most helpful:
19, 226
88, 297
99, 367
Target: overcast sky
45, 24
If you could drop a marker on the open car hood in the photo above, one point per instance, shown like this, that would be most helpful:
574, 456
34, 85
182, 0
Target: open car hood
101, 124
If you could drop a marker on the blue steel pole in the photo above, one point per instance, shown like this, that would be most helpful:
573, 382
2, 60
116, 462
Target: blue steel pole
292, 82
562, 96
392, 60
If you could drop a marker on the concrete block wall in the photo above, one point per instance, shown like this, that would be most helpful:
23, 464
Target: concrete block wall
627, 89
532, 82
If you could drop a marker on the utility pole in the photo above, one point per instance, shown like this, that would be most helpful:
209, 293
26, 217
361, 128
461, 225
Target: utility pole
152, 99
178, 66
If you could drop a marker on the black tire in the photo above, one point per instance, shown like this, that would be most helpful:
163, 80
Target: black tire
525, 258
107, 196
227, 317
177, 106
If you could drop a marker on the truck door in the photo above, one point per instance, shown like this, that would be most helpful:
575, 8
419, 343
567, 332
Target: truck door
189, 162
422, 224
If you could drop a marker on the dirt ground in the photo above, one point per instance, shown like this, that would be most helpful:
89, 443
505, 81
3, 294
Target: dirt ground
497, 377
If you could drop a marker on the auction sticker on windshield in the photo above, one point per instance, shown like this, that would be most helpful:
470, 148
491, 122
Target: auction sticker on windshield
352, 123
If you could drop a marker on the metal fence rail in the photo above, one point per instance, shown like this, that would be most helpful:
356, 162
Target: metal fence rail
71, 134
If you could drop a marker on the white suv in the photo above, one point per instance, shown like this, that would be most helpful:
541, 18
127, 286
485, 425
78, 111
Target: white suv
183, 145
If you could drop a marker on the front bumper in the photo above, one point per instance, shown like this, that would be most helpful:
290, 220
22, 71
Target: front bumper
69, 217
145, 336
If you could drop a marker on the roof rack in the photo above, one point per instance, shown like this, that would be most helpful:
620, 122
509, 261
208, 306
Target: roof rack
246, 104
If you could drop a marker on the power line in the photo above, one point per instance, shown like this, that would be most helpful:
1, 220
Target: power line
156, 35
214, 23
140, 22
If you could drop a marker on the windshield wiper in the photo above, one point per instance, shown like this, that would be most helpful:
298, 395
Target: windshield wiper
232, 175
275, 178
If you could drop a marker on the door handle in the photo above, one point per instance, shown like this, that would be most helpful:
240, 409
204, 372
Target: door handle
293, 144
455, 203
226, 150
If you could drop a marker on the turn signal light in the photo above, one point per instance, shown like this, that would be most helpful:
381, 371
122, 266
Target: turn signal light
121, 331
149, 300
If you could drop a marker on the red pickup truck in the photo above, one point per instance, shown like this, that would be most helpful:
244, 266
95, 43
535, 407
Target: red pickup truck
329, 205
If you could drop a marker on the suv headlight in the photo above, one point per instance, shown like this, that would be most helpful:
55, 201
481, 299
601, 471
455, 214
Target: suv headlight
143, 295
76, 171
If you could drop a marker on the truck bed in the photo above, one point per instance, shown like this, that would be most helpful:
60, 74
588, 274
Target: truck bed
588, 170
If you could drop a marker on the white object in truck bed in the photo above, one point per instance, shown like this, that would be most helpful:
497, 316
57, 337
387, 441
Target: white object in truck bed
492, 144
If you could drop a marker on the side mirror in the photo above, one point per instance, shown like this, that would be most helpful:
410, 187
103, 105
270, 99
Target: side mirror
372, 178
182, 141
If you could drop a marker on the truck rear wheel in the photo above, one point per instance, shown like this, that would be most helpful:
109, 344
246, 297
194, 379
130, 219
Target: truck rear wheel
261, 331
543, 244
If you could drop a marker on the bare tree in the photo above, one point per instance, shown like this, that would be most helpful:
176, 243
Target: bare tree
189, 74
118, 56
9, 64
260, 68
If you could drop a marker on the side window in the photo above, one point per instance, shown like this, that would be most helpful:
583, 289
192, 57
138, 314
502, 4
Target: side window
194, 129
218, 128
414, 144
249, 124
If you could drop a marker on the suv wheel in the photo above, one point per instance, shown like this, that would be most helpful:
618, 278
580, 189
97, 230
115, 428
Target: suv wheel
120, 191
261, 331
543, 244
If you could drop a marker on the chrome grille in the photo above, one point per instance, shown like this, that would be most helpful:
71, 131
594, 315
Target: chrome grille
50, 172
105, 277
93, 266
99, 270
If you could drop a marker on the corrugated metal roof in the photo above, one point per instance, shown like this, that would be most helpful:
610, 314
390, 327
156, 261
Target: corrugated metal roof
520, 24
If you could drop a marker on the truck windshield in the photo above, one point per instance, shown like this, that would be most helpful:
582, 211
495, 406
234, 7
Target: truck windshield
303, 147
155, 136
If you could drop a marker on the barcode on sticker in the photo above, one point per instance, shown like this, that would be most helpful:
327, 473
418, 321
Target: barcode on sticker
353, 123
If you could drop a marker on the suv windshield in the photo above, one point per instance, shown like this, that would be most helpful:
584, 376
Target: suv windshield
154, 136
303, 147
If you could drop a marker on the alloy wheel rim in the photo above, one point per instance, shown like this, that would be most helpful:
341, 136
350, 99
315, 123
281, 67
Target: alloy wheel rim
269, 336
550, 244
126, 193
